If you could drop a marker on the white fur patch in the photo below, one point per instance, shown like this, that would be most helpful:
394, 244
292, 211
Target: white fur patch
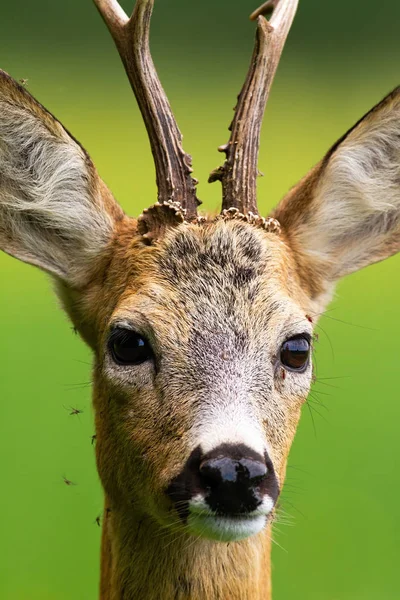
230, 425
224, 529
204, 522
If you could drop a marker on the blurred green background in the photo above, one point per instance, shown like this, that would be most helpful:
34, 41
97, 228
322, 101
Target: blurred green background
340, 531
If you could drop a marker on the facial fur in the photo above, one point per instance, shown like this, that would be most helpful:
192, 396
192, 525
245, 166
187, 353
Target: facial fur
215, 302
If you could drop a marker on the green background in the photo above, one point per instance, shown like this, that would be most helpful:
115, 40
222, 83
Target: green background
340, 531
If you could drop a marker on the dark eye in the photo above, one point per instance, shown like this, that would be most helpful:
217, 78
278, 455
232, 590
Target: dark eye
295, 353
129, 348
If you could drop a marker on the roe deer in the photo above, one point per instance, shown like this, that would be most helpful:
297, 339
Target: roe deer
200, 326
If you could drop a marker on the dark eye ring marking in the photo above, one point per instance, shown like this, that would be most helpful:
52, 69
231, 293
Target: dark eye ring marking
128, 347
295, 353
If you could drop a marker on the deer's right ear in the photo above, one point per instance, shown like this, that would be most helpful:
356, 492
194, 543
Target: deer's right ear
345, 214
55, 211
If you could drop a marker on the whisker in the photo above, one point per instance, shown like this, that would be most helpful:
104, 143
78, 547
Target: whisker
76, 386
312, 418
277, 544
315, 400
329, 341
318, 381
314, 391
191, 543
285, 500
82, 362
352, 324
293, 488
300, 469
316, 411
338, 377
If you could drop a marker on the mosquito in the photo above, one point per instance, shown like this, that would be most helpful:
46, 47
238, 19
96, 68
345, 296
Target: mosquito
68, 481
73, 410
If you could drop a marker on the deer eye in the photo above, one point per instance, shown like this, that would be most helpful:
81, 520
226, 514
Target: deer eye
295, 353
128, 347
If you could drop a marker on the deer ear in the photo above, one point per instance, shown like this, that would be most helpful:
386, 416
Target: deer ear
345, 214
55, 212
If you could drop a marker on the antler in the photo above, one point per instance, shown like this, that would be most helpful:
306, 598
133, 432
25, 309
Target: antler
238, 174
173, 165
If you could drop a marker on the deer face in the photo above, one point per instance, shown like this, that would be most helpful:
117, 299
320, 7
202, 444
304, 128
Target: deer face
199, 401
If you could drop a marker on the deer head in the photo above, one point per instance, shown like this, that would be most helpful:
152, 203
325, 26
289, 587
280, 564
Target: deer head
201, 327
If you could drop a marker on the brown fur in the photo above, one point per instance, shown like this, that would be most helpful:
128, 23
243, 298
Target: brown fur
216, 300
130, 280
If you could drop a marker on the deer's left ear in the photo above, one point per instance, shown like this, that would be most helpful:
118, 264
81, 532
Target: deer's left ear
345, 214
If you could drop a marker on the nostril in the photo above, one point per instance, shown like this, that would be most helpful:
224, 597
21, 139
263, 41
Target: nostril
217, 470
224, 470
256, 470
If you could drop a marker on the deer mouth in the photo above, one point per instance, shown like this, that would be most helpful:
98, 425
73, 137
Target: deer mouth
227, 527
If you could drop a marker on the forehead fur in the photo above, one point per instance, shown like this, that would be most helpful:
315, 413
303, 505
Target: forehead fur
214, 269
237, 251
221, 262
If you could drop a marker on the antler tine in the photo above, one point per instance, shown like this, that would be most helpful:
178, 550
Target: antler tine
238, 174
113, 15
173, 165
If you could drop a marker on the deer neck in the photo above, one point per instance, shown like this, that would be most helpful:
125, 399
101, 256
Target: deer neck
140, 559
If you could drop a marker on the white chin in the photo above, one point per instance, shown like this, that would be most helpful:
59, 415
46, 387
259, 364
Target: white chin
225, 529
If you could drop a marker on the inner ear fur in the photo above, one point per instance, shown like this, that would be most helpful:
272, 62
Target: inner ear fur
55, 211
345, 214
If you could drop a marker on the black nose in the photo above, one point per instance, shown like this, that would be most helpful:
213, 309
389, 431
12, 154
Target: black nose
234, 479
225, 470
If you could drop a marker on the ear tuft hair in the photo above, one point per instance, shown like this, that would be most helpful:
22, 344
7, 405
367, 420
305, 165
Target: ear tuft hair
346, 213
55, 212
